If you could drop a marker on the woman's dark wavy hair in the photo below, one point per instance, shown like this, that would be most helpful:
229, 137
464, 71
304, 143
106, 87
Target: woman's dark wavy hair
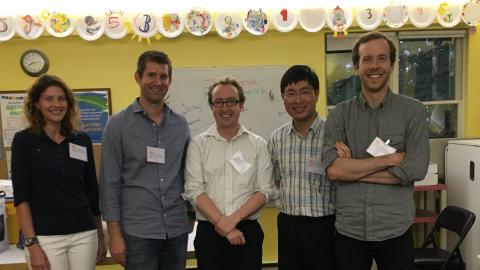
34, 116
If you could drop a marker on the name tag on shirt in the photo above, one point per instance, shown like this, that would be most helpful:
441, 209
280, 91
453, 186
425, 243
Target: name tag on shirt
77, 152
155, 154
314, 166
239, 164
380, 148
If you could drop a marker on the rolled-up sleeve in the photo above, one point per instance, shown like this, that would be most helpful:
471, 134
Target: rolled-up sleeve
415, 164
111, 170
264, 179
334, 131
20, 170
194, 179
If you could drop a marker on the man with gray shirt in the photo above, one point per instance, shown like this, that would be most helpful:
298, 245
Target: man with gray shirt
374, 204
141, 175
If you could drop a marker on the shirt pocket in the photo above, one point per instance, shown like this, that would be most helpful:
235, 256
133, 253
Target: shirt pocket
396, 141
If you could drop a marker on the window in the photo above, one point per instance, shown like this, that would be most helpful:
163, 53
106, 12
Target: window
429, 68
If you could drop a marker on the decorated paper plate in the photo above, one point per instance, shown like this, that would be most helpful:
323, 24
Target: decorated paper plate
339, 18
256, 21
228, 25
7, 28
395, 15
284, 20
116, 24
369, 18
199, 21
29, 26
90, 27
144, 25
59, 24
312, 19
471, 13
171, 24
421, 15
449, 14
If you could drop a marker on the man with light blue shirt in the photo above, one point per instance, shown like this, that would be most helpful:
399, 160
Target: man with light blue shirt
305, 196
228, 178
141, 175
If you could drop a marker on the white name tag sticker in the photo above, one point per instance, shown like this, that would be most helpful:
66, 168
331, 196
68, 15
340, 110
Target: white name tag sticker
379, 148
239, 164
77, 152
155, 154
314, 166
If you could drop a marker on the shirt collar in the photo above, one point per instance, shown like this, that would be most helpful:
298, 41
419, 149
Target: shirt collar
213, 131
364, 104
137, 108
314, 127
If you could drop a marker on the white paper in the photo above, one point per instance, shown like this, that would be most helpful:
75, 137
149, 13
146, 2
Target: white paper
155, 154
78, 152
238, 163
380, 148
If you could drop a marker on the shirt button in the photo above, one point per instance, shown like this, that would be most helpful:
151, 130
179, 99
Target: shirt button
163, 198
153, 124
164, 215
161, 179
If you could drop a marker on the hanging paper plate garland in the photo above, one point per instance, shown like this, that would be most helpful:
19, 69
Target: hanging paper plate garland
449, 14
471, 13
90, 27
421, 15
7, 28
171, 25
313, 19
395, 15
29, 26
199, 21
144, 25
256, 22
339, 19
284, 20
116, 24
59, 24
228, 25
369, 18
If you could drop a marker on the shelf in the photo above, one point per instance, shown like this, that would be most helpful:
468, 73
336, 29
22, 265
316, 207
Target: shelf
431, 187
425, 216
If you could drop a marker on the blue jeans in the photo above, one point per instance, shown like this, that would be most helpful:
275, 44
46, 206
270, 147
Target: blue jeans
156, 254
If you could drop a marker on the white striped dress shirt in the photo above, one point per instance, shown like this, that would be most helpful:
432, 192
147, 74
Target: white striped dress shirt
300, 192
209, 171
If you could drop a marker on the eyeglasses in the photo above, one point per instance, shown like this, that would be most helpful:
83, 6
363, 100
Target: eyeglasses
218, 103
303, 94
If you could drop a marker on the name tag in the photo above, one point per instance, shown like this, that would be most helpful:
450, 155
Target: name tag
315, 166
77, 152
239, 164
380, 148
155, 154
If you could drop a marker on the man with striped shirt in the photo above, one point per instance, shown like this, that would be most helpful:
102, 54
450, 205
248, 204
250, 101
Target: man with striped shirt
228, 178
305, 196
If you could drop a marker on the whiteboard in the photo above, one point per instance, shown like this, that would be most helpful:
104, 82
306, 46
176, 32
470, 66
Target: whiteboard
263, 108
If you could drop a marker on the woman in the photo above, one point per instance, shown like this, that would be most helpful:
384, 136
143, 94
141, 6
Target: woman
54, 182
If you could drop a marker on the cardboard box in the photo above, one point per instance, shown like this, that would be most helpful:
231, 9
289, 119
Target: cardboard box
430, 179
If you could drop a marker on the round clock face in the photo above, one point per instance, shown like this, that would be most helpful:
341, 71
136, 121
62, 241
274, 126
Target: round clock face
34, 62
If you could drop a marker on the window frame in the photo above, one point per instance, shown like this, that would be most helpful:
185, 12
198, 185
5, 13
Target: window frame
333, 45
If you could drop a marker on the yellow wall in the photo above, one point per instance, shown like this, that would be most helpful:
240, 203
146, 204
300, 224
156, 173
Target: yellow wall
472, 93
111, 63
